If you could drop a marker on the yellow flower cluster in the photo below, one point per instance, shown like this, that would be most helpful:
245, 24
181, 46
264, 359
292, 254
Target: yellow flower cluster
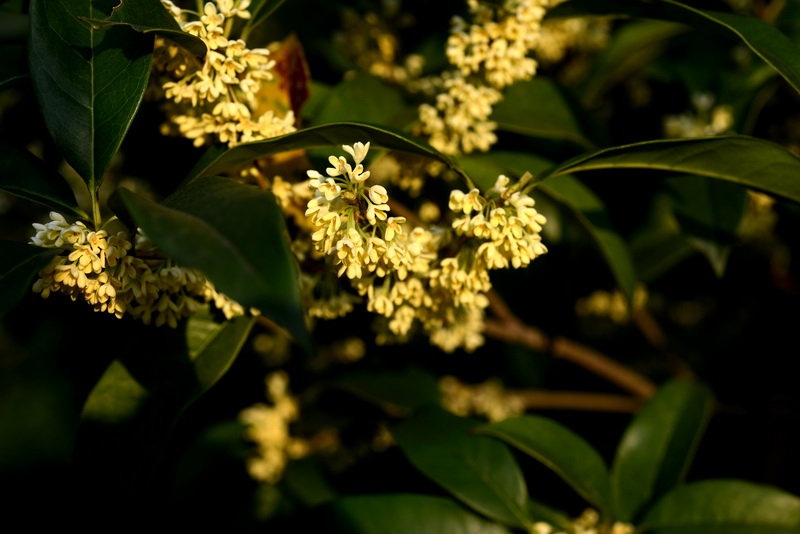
435, 276
268, 428
488, 399
497, 43
612, 305
587, 523
214, 101
102, 270
706, 119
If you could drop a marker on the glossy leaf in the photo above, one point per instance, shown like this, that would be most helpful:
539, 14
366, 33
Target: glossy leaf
724, 507
234, 234
659, 445
150, 16
19, 264
397, 392
362, 98
89, 83
748, 161
709, 212
334, 136
24, 175
764, 39
538, 108
478, 471
560, 449
592, 214
406, 514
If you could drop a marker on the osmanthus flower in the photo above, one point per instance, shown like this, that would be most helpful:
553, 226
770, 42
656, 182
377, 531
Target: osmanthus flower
214, 101
102, 270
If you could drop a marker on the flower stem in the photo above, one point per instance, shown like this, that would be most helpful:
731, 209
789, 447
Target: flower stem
96, 211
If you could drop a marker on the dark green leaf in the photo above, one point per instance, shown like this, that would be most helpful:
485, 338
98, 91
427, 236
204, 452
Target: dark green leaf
561, 450
485, 168
725, 507
591, 213
362, 98
397, 392
150, 16
115, 398
219, 159
659, 243
765, 40
13, 64
748, 161
709, 211
538, 108
542, 512
478, 471
19, 264
89, 83
632, 47
24, 175
233, 233
306, 481
406, 514
659, 445
260, 10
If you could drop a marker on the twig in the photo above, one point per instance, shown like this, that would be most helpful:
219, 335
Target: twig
576, 400
508, 327
653, 333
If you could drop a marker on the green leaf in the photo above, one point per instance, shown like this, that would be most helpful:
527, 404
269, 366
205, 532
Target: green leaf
725, 507
659, 445
234, 234
755, 163
397, 392
632, 47
709, 211
560, 449
26, 176
260, 10
13, 64
305, 479
538, 108
478, 471
150, 16
659, 243
218, 160
362, 98
406, 514
485, 168
19, 264
115, 398
89, 83
765, 40
592, 214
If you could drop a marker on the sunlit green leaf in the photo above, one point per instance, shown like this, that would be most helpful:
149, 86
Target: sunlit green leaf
405, 514
748, 161
89, 83
592, 214
24, 175
150, 16
538, 108
709, 211
478, 471
403, 391
659, 445
724, 507
218, 160
19, 264
764, 39
561, 450
234, 234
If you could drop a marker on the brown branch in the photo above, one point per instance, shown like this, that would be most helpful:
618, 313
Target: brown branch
576, 400
508, 327
652, 332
